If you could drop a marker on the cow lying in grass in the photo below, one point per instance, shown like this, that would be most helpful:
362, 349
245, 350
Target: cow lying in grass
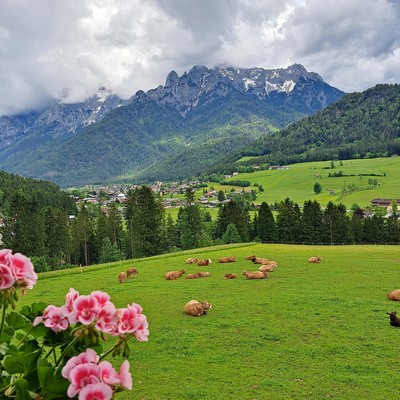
192, 260
255, 274
394, 295
227, 259
204, 262
394, 319
267, 268
196, 308
315, 260
172, 275
230, 276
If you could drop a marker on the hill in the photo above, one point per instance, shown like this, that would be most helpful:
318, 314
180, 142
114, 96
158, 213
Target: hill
347, 182
321, 328
360, 125
206, 113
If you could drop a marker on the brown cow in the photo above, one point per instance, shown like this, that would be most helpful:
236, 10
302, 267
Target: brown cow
227, 259
191, 260
394, 295
258, 260
230, 276
121, 277
192, 276
250, 257
131, 272
204, 262
196, 308
203, 274
315, 260
255, 274
172, 275
266, 268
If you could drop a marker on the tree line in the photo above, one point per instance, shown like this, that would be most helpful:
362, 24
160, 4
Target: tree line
142, 228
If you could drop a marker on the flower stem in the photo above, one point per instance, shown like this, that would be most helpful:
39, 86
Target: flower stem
71, 344
3, 318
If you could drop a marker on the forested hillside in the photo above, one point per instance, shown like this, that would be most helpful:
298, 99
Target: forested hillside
359, 125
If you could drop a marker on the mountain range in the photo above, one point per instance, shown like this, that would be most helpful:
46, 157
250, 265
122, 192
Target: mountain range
170, 132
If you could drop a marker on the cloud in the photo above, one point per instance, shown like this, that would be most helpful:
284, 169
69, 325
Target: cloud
69, 49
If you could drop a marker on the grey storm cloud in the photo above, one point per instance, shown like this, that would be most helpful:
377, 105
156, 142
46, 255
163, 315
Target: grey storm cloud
69, 48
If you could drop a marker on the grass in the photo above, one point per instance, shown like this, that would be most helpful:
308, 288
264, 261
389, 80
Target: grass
312, 331
297, 183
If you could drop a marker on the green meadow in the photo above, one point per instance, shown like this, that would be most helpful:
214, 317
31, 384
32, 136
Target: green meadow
311, 331
298, 181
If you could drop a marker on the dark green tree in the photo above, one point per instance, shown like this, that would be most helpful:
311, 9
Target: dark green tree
110, 252
337, 224
144, 215
317, 188
231, 235
266, 226
221, 195
23, 229
235, 213
288, 221
311, 223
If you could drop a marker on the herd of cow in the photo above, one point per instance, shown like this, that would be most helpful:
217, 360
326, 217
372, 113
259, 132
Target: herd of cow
197, 308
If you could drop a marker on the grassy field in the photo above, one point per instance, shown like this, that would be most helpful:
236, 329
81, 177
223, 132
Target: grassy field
311, 331
297, 182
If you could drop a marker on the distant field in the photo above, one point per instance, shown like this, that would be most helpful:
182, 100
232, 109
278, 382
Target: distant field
311, 331
298, 181
245, 159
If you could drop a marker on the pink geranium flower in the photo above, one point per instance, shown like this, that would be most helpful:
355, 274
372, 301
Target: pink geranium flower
142, 328
5, 256
107, 320
23, 270
108, 374
125, 376
52, 318
97, 391
85, 310
128, 321
81, 376
102, 297
7, 279
70, 297
90, 356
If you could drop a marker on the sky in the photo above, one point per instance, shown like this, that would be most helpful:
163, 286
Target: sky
67, 49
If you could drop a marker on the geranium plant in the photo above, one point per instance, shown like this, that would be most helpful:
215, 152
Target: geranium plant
49, 352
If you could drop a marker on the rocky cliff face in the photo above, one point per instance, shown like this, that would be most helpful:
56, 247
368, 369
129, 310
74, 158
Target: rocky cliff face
57, 120
276, 87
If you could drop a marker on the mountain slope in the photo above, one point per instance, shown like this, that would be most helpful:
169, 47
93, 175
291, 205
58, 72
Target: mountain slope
195, 113
359, 125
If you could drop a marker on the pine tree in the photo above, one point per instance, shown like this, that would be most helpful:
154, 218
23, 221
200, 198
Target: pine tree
23, 229
288, 221
231, 235
266, 226
337, 225
144, 216
311, 222
235, 213
56, 234
190, 222
110, 252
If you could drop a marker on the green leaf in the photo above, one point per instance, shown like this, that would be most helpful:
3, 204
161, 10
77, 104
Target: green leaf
17, 321
34, 310
21, 390
21, 362
52, 383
